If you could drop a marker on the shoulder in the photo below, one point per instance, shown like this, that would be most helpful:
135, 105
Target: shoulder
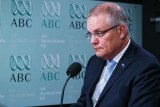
145, 56
141, 55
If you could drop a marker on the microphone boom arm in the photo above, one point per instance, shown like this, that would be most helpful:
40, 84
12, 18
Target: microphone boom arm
72, 71
64, 90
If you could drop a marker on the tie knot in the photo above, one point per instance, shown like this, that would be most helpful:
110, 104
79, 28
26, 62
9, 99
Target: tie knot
111, 64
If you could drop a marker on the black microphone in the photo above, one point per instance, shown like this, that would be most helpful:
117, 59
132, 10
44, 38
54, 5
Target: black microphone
72, 71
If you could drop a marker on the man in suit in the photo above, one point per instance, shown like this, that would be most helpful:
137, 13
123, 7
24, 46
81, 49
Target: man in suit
134, 80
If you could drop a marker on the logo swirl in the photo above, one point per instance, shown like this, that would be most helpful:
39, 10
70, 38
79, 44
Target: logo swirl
51, 9
50, 61
21, 7
78, 58
20, 62
78, 11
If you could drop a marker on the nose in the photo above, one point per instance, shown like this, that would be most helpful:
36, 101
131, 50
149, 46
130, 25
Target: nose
94, 40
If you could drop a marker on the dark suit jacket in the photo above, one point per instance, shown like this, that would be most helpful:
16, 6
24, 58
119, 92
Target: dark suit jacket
135, 81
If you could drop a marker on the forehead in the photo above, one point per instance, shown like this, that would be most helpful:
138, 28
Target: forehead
96, 22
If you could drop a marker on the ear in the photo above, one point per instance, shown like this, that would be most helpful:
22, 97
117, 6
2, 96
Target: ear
122, 31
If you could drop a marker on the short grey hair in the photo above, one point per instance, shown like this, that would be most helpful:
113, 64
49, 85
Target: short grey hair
114, 12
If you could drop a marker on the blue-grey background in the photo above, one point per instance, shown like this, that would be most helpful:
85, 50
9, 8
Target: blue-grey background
39, 40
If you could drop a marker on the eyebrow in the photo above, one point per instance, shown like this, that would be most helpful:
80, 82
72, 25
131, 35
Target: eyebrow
95, 31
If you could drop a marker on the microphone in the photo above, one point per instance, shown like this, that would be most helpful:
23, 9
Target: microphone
72, 71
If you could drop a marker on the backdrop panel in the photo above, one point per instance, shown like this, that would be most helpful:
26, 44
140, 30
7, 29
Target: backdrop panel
39, 40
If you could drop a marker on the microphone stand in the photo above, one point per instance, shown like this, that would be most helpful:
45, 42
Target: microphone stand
63, 91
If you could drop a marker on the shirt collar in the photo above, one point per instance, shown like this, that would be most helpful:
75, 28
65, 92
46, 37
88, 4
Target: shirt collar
118, 57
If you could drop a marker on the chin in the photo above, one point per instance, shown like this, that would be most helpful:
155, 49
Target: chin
99, 55
103, 56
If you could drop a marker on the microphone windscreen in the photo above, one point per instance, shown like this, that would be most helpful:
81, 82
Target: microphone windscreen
74, 69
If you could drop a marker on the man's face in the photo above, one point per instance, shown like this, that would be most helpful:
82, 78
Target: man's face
108, 45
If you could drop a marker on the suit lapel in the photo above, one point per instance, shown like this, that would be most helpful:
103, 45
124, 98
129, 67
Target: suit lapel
97, 76
117, 72
122, 64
